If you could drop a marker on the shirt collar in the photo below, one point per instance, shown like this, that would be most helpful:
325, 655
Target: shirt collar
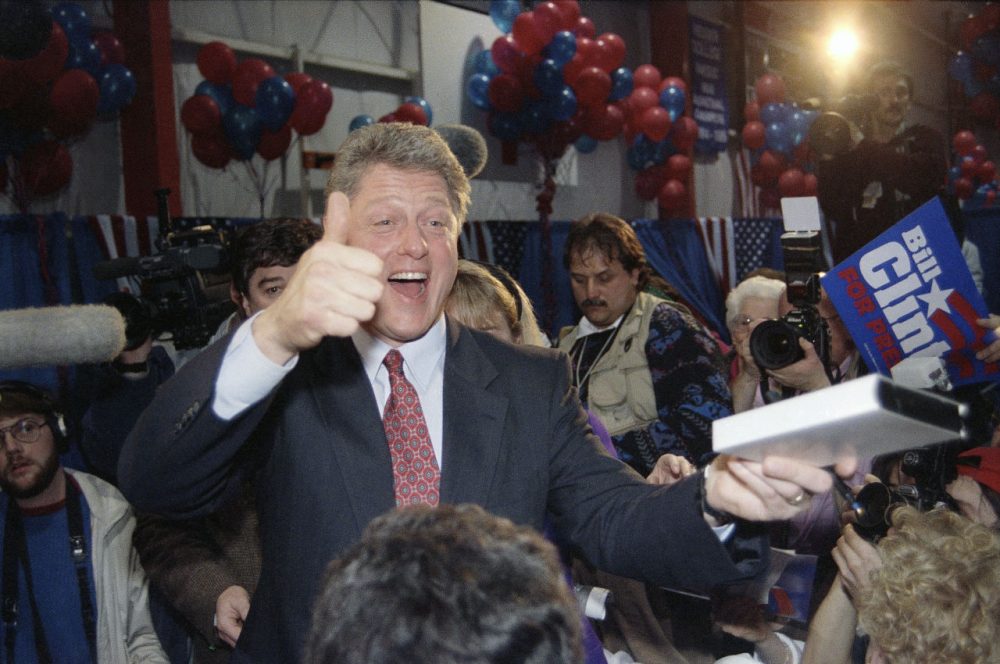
421, 357
586, 328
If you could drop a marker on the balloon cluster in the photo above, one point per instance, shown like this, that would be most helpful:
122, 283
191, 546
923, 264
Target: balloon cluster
414, 110
73, 76
245, 108
658, 134
973, 175
777, 134
551, 80
977, 66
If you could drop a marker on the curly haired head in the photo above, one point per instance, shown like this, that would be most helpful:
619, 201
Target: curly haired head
936, 597
445, 585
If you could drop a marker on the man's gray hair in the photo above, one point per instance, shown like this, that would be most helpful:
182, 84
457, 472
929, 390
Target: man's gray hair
403, 146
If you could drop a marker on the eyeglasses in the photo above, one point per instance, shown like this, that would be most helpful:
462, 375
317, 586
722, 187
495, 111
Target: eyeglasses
747, 321
24, 430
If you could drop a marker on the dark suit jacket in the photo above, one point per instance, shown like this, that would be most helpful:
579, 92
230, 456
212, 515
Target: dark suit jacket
516, 441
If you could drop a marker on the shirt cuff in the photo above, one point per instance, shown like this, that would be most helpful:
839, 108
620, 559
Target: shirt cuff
246, 375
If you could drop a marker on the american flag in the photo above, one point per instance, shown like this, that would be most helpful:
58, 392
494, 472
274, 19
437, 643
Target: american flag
735, 247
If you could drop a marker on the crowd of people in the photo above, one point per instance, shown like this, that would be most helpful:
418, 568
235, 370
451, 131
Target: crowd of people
381, 460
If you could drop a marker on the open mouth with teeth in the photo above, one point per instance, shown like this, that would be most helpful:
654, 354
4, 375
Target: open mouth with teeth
410, 284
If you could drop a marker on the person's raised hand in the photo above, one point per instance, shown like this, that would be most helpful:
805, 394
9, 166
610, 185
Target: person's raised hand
807, 374
334, 290
992, 352
856, 559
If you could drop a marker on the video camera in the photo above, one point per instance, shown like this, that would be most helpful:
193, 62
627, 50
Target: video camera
830, 134
174, 297
775, 343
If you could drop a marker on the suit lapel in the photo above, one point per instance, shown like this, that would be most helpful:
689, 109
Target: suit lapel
473, 420
352, 427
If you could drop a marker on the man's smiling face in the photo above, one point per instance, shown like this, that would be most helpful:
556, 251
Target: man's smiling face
405, 218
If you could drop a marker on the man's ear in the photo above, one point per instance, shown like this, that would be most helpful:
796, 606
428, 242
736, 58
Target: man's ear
242, 306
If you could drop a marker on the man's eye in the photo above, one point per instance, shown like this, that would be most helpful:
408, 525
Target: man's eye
27, 427
274, 290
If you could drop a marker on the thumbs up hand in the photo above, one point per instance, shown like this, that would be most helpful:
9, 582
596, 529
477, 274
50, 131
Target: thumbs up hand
334, 289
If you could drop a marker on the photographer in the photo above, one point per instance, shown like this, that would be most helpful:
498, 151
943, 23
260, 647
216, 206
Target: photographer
874, 172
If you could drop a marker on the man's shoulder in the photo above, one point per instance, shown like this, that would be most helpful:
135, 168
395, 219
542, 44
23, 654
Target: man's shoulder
102, 497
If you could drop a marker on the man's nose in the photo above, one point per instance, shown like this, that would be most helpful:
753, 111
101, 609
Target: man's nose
412, 241
593, 291
9, 442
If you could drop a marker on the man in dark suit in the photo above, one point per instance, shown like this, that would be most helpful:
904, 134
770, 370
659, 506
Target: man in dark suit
296, 396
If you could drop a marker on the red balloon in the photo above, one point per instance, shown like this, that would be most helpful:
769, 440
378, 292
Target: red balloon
388, 117
211, 149
13, 83
506, 93
112, 51
968, 167
611, 48
674, 81
274, 143
759, 178
641, 99
604, 123
587, 50
751, 111
672, 196
548, 20
754, 135
526, 34
247, 78
526, 74
217, 63
770, 198
991, 197
314, 101
201, 115
963, 188
648, 182
506, 54
46, 168
45, 66
963, 142
646, 76
979, 154
972, 29
771, 164
985, 106
32, 109
810, 184
572, 69
679, 166
990, 16
73, 101
770, 89
983, 71
569, 11
297, 79
791, 183
592, 86
412, 113
685, 133
987, 171
585, 28
655, 123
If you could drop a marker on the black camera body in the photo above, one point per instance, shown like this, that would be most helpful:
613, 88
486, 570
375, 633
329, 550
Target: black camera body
174, 298
774, 344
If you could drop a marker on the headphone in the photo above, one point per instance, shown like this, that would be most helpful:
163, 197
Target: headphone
47, 406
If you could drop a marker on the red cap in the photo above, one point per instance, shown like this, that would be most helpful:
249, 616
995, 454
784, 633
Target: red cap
988, 470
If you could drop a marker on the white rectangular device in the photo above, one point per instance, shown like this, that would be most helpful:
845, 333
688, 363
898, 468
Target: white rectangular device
864, 417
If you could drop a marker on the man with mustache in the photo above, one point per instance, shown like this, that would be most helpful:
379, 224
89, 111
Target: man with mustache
889, 170
650, 372
72, 587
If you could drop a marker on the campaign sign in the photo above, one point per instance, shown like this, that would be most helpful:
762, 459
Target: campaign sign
908, 293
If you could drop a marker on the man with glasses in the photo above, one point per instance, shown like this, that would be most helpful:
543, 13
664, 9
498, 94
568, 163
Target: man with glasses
72, 587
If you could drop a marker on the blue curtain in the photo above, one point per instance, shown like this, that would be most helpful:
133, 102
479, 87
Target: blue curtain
557, 308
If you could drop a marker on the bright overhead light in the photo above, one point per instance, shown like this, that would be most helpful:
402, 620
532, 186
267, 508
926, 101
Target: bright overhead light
843, 44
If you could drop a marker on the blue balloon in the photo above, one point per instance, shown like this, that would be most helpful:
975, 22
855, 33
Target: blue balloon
222, 94
954, 173
642, 153
664, 150
987, 48
274, 102
548, 78
621, 84
503, 13
117, 88
534, 117
422, 103
973, 88
243, 129
562, 48
505, 126
799, 122
673, 99
771, 113
84, 54
477, 89
585, 144
483, 64
72, 18
960, 67
563, 105
777, 138
360, 121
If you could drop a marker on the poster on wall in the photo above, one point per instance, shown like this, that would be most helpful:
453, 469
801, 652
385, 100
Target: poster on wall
708, 85
909, 293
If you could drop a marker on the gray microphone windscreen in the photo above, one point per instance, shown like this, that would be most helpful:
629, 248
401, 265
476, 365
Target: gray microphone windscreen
53, 336
467, 144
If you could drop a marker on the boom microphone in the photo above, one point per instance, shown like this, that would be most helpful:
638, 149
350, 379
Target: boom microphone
53, 336
467, 144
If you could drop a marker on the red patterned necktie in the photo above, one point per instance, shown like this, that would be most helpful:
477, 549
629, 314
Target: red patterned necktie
415, 472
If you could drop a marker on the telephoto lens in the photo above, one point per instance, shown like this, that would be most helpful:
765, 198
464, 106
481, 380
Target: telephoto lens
775, 344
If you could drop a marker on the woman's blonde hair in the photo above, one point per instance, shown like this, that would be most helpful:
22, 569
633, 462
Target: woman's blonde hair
478, 295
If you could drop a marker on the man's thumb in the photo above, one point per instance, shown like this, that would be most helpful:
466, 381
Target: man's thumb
336, 217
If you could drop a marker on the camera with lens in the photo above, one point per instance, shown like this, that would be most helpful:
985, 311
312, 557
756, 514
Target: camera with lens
831, 133
932, 469
183, 292
774, 344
